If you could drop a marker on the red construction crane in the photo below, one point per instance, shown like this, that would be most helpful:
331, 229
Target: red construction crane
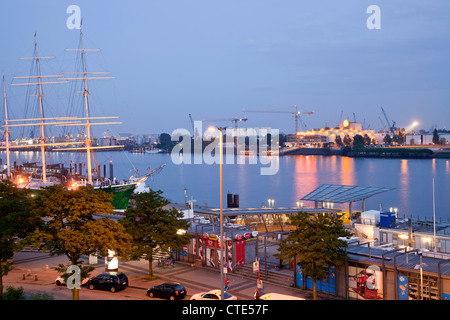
296, 114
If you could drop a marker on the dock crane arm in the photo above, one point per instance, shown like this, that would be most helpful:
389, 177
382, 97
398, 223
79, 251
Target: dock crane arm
296, 114
390, 126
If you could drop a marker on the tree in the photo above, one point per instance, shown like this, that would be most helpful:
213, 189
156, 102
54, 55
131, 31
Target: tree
347, 140
153, 227
71, 228
165, 141
15, 222
367, 140
358, 141
338, 141
435, 137
387, 139
315, 244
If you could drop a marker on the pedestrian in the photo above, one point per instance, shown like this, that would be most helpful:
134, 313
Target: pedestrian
256, 294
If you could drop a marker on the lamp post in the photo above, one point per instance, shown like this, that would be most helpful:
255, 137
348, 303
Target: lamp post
420, 267
222, 247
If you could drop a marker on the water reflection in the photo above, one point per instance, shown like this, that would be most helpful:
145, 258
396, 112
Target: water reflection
297, 176
347, 171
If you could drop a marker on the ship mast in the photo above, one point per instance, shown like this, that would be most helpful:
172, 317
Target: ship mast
88, 141
88, 127
39, 83
8, 163
41, 110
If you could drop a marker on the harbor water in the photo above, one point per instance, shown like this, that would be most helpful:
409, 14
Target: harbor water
411, 179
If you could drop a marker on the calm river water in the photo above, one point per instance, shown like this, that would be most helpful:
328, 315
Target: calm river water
411, 179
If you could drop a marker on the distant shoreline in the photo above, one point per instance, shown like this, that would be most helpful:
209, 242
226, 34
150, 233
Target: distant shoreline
382, 152
401, 152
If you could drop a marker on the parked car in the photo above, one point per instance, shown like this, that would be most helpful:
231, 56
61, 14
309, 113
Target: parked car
171, 291
278, 296
112, 281
212, 295
61, 282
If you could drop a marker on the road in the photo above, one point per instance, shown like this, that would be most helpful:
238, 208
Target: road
63, 293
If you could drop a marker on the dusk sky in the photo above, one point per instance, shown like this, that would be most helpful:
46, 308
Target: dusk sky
212, 59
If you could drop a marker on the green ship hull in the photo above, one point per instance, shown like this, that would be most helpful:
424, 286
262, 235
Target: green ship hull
121, 194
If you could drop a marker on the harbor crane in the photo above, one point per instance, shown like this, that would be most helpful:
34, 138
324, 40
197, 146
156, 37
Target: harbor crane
296, 114
391, 127
192, 124
235, 120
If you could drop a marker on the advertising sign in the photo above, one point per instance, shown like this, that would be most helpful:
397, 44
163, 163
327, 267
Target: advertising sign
402, 287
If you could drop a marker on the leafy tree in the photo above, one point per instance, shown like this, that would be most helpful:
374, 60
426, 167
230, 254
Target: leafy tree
14, 293
338, 141
153, 226
165, 141
15, 222
347, 140
367, 140
387, 139
315, 244
435, 137
71, 228
358, 141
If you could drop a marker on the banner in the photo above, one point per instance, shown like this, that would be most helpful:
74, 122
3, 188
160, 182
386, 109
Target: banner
402, 287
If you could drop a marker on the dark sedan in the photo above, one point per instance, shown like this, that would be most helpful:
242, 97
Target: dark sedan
171, 291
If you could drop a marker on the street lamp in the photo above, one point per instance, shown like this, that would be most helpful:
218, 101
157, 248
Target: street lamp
222, 260
420, 267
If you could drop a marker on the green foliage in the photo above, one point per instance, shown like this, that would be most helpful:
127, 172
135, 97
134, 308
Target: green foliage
315, 243
338, 141
367, 140
347, 140
165, 142
19, 294
71, 228
154, 227
15, 223
358, 141
85, 271
41, 296
14, 293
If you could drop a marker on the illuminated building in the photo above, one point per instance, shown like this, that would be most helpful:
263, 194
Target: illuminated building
321, 137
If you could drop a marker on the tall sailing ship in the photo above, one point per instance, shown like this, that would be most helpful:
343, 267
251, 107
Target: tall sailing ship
34, 176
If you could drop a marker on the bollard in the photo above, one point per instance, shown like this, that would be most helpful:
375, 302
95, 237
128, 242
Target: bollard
35, 277
23, 276
46, 267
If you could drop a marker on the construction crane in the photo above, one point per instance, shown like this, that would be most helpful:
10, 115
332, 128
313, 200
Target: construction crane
235, 120
391, 127
296, 114
192, 124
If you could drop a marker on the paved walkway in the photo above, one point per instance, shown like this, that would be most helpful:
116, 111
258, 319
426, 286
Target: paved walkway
195, 279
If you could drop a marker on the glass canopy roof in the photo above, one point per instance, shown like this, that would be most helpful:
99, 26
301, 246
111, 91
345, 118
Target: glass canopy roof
342, 193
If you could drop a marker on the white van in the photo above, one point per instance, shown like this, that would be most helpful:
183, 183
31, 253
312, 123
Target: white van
278, 296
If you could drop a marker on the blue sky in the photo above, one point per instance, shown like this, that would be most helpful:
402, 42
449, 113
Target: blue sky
212, 59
